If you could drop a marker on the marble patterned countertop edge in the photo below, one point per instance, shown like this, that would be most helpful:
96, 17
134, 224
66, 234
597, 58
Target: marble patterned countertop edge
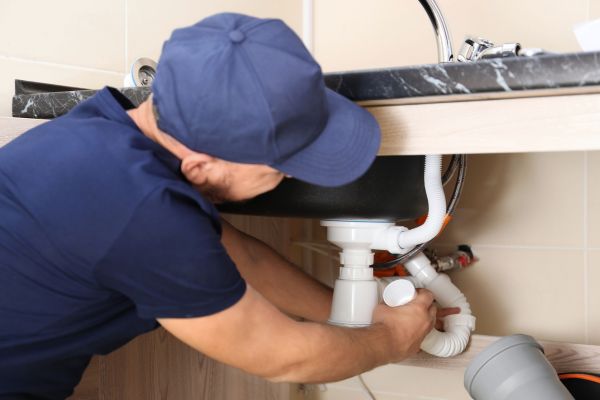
549, 71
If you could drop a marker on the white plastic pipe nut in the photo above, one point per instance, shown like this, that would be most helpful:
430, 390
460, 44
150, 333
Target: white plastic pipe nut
387, 239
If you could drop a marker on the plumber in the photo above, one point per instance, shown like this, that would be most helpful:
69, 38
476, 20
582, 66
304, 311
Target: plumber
109, 229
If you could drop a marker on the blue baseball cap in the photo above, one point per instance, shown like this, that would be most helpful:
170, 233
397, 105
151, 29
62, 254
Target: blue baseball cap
246, 90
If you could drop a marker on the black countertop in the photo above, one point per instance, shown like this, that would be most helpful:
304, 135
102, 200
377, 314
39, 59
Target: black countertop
449, 79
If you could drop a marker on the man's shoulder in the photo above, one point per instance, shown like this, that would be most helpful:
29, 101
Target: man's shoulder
181, 203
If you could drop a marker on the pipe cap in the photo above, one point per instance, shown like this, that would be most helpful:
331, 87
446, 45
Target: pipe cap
399, 292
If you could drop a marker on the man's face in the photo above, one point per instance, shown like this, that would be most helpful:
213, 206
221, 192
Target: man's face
228, 181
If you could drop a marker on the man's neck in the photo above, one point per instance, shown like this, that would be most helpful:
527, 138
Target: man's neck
143, 117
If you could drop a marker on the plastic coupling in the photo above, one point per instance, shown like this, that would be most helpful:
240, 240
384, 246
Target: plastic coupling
460, 320
388, 239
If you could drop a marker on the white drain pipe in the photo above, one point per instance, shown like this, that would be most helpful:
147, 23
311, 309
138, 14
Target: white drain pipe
355, 292
457, 327
437, 207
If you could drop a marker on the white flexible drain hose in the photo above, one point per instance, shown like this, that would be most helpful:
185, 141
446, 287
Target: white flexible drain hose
437, 206
457, 327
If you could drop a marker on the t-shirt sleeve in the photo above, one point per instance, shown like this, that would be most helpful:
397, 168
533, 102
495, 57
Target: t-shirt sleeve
170, 262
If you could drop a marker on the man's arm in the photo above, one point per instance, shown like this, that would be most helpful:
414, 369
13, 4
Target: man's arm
255, 336
278, 280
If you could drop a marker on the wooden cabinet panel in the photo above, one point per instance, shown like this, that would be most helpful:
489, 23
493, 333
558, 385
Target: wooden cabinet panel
157, 366
88, 386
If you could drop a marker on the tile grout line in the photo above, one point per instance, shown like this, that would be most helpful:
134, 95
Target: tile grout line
126, 35
586, 300
308, 24
58, 65
336, 385
514, 247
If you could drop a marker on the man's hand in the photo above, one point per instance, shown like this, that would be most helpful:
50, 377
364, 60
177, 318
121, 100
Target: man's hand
444, 312
255, 336
409, 324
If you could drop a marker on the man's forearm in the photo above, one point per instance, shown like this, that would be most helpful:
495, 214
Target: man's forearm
256, 337
336, 353
287, 286
278, 280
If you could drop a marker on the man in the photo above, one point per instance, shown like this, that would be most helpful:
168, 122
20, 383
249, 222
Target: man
109, 228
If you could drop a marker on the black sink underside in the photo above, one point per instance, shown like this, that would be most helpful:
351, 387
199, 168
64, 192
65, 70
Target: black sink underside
391, 189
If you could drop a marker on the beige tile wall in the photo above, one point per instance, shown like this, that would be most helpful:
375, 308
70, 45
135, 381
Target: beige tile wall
353, 34
150, 22
72, 32
593, 246
592, 288
388, 33
70, 42
594, 9
508, 198
90, 44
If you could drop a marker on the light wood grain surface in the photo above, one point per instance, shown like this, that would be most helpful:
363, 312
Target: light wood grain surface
557, 123
565, 357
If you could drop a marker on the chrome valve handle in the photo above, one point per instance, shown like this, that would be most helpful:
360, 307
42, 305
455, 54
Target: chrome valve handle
474, 49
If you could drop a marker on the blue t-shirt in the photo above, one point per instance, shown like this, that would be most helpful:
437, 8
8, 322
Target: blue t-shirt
100, 234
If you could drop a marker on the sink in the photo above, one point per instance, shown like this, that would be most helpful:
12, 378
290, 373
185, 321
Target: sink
392, 188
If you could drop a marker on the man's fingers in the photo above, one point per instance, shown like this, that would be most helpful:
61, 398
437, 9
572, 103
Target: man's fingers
424, 297
439, 325
433, 312
444, 312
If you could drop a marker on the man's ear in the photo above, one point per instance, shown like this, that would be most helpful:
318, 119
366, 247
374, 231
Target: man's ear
197, 166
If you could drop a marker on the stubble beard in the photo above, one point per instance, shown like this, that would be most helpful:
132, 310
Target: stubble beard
217, 193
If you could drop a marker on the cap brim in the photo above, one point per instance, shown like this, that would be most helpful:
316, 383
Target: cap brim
343, 152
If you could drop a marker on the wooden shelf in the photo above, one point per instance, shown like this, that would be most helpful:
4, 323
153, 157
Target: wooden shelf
531, 124
565, 357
